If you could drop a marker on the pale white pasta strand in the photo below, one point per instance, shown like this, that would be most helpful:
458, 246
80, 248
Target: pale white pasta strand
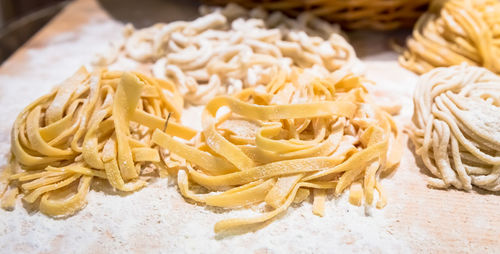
233, 43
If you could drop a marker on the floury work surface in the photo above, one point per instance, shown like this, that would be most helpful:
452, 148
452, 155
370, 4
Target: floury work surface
158, 219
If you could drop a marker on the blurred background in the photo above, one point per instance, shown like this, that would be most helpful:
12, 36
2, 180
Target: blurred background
21, 19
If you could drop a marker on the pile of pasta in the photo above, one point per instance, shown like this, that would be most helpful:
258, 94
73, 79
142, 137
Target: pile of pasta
229, 49
457, 127
297, 137
458, 31
93, 125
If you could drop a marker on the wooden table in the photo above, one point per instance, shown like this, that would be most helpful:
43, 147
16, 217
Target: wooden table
158, 219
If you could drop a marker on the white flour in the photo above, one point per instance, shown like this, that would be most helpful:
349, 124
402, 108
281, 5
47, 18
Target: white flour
157, 219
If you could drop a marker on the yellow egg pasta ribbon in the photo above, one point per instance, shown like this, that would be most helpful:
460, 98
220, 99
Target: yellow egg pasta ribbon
93, 125
275, 146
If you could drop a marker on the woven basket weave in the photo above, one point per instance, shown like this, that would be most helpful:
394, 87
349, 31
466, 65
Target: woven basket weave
351, 14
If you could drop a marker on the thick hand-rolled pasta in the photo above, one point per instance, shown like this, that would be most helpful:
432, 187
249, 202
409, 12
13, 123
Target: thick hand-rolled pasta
93, 125
456, 127
229, 49
459, 31
299, 136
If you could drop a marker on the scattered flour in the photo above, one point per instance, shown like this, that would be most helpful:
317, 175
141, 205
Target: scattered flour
157, 219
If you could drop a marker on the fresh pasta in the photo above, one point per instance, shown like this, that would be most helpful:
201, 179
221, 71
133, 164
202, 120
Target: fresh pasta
456, 127
230, 49
93, 125
299, 136
461, 31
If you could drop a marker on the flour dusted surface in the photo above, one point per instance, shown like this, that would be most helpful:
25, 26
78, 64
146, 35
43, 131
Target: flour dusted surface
157, 219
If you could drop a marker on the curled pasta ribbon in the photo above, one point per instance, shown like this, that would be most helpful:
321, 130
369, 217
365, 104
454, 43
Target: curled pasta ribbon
230, 49
456, 127
277, 145
93, 125
459, 31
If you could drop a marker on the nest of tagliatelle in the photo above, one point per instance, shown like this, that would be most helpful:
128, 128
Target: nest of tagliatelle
299, 136
303, 134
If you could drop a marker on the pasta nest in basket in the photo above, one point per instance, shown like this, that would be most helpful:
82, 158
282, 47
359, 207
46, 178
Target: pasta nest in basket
458, 31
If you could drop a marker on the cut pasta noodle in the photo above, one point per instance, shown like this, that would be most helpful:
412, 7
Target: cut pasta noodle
93, 125
457, 127
298, 135
459, 31
229, 49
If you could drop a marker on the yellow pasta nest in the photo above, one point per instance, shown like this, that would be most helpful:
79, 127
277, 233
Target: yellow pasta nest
457, 127
270, 145
95, 124
276, 145
463, 31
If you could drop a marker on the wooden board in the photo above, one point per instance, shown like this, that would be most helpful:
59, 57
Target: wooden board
158, 219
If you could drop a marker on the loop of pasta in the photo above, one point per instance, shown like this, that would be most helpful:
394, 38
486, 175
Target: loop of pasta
457, 127
274, 145
459, 31
93, 125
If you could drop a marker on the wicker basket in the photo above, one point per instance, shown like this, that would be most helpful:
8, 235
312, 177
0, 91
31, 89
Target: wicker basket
351, 14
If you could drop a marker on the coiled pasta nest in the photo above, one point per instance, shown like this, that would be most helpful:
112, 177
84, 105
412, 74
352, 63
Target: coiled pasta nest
457, 127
